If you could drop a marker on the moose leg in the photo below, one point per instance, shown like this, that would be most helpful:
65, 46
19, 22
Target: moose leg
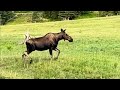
26, 54
58, 52
50, 51
24, 57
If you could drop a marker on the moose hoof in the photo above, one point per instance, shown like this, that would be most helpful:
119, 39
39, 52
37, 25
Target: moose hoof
23, 56
56, 58
31, 61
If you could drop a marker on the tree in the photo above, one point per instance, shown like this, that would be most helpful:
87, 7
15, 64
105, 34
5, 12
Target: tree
37, 16
108, 13
52, 15
60, 15
116, 12
6, 16
67, 14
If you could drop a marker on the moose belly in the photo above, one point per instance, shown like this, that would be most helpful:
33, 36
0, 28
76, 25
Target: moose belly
42, 47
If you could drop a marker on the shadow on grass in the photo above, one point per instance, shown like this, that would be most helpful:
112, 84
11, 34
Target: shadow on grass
20, 61
2, 77
2, 65
36, 60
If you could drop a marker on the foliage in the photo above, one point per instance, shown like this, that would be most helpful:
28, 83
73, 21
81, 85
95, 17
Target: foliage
43, 16
68, 14
6, 16
23, 11
88, 15
53, 15
21, 19
108, 13
60, 15
37, 16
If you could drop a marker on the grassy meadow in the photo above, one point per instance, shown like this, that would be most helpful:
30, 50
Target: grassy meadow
94, 53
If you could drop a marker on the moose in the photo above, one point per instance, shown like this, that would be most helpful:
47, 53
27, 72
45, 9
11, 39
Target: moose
47, 42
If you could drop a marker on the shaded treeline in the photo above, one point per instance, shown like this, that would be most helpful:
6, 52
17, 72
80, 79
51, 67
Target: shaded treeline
37, 16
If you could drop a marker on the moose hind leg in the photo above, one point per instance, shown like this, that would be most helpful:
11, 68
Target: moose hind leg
28, 52
26, 55
58, 52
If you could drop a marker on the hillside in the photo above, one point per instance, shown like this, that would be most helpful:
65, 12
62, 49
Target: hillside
95, 52
26, 17
23, 18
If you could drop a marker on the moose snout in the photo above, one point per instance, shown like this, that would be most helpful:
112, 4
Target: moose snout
71, 40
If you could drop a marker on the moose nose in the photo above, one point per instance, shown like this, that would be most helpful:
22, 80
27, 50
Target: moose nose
71, 40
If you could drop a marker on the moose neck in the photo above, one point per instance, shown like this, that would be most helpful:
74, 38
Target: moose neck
59, 36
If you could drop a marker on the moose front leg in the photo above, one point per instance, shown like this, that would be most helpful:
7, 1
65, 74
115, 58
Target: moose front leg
50, 51
58, 52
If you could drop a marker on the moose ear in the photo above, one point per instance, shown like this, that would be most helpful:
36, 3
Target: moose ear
64, 30
61, 30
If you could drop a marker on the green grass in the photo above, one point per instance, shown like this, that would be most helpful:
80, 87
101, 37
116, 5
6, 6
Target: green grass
95, 52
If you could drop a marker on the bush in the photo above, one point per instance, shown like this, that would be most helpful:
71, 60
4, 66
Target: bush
107, 13
88, 15
37, 16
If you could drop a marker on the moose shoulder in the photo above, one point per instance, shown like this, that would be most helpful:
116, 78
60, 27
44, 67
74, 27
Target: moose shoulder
47, 42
